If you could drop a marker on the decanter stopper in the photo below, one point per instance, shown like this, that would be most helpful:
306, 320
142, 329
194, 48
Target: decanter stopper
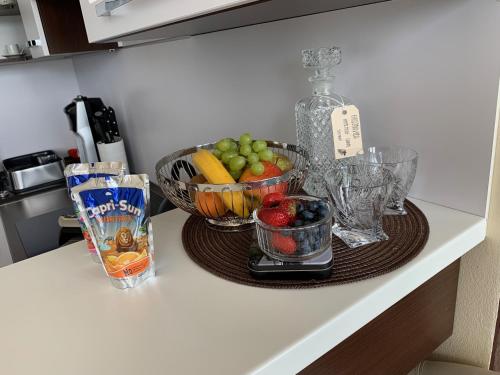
321, 60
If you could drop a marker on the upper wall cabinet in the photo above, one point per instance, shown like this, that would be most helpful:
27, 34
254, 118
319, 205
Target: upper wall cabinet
135, 20
55, 27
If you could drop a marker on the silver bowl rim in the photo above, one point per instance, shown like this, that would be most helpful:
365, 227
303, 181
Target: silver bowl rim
248, 184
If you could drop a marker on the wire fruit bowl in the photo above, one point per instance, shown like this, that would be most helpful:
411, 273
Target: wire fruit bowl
177, 177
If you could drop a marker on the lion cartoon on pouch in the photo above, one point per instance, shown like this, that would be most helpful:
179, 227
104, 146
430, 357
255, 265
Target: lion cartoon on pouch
125, 241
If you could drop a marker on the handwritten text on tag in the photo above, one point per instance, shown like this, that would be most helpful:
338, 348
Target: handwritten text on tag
346, 128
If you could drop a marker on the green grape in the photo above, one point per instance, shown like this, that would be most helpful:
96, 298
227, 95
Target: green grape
237, 163
245, 139
266, 155
253, 158
235, 174
257, 168
227, 156
245, 150
223, 145
217, 153
233, 146
259, 145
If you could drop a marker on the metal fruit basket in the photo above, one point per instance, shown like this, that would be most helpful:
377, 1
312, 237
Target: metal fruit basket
175, 173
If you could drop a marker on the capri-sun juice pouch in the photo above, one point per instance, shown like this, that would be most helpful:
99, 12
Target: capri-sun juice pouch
77, 174
116, 212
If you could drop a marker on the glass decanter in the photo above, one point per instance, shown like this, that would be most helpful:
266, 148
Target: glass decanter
313, 116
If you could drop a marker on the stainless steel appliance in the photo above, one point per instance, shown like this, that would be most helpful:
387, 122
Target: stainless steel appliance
30, 221
34, 170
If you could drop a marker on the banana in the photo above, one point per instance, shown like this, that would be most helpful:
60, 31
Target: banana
215, 173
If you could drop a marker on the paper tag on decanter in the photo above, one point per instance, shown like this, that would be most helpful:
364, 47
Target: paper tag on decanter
346, 128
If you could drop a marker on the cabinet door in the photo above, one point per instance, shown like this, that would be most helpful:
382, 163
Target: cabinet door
55, 27
139, 15
62, 23
33, 28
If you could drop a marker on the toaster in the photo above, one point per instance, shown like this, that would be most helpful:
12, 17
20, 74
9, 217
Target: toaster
34, 170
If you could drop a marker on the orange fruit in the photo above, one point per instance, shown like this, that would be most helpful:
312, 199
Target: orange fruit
207, 204
270, 170
210, 204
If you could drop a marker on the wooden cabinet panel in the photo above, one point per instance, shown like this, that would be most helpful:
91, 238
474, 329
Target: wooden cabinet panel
56, 27
395, 341
64, 28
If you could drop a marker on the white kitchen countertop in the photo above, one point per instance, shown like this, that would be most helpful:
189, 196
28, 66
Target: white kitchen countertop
60, 315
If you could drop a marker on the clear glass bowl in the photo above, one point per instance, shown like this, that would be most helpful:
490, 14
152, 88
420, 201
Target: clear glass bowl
318, 235
360, 193
402, 162
174, 174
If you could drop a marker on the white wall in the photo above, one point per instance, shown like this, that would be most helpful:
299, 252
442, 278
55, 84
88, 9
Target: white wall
478, 290
11, 31
423, 74
32, 98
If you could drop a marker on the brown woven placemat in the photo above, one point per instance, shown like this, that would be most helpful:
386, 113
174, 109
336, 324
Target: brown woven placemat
226, 254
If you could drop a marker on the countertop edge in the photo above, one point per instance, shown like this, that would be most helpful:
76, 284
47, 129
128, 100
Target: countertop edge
319, 342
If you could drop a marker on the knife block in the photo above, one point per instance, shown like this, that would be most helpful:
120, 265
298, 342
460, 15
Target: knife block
113, 152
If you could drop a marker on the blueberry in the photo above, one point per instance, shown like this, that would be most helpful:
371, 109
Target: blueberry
299, 236
307, 222
313, 206
322, 204
323, 230
299, 207
298, 223
316, 245
307, 215
312, 238
323, 212
306, 248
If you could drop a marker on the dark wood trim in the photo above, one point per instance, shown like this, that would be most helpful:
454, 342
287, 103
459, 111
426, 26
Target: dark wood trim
64, 27
495, 350
397, 340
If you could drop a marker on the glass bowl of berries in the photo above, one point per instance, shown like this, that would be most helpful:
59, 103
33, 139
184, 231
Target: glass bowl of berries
293, 228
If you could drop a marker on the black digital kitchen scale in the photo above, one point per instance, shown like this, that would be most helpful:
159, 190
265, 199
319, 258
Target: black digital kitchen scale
263, 267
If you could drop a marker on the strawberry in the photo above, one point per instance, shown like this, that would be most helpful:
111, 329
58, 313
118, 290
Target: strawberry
285, 245
290, 207
273, 199
273, 216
